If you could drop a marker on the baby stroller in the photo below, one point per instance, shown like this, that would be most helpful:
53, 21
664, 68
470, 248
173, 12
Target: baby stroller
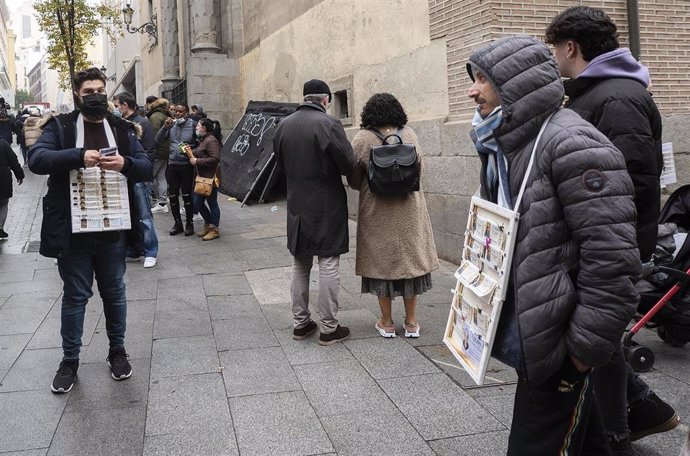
664, 301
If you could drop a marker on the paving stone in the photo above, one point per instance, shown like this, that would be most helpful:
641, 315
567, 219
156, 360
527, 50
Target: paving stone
96, 389
270, 286
17, 275
243, 332
38, 452
361, 323
48, 334
33, 370
192, 322
172, 269
89, 431
257, 371
226, 284
665, 444
473, 445
432, 320
29, 418
500, 407
143, 287
184, 356
439, 408
138, 343
202, 442
386, 358
181, 294
39, 283
10, 349
497, 373
308, 351
139, 313
374, 433
279, 316
25, 299
188, 404
283, 423
341, 388
228, 307
20, 321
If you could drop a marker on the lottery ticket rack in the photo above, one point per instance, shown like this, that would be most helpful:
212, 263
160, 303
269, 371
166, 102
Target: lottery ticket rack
482, 282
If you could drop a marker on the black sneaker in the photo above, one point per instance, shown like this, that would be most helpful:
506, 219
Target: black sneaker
3, 235
176, 229
302, 333
650, 415
65, 376
189, 229
119, 366
340, 333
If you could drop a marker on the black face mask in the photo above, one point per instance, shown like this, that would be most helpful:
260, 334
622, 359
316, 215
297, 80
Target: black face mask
94, 105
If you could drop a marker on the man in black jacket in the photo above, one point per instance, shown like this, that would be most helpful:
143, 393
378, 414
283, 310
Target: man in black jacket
313, 152
70, 142
608, 88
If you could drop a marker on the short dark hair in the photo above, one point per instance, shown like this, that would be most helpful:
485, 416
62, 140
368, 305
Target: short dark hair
184, 106
89, 74
126, 97
151, 99
383, 109
589, 27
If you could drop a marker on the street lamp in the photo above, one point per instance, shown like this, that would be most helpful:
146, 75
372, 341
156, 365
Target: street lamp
149, 27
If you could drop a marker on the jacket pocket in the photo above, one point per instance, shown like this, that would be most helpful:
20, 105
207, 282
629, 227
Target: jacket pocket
55, 229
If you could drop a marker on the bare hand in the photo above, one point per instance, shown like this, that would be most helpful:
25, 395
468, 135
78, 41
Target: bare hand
168, 122
112, 162
19, 181
579, 365
192, 160
91, 157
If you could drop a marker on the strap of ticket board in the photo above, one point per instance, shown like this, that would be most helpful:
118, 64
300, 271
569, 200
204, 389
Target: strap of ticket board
531, 162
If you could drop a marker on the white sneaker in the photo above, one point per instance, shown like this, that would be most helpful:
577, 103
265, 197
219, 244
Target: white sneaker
158, 209
149, 262
197, 218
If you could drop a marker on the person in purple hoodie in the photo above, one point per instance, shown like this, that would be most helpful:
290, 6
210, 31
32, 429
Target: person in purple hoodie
607, 87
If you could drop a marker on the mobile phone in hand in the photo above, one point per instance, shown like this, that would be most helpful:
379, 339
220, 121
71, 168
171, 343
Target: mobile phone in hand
108, 151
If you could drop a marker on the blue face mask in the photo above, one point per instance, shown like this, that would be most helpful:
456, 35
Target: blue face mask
117, 113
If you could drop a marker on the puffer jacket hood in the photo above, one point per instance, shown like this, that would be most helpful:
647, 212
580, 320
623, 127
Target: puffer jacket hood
571, 289
160, 105
527, 79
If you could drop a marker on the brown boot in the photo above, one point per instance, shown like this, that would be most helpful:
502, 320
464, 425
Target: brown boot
205, 231
212, 234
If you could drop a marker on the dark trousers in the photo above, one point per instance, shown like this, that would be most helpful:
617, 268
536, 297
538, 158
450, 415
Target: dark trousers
180, 179
558, 417
617, 385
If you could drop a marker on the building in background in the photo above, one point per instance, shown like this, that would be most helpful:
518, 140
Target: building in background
221, 54
7, 73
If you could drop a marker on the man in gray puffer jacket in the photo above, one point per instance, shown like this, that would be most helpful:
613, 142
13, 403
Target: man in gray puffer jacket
571, 287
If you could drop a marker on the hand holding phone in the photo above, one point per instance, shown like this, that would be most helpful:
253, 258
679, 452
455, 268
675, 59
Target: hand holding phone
108, 151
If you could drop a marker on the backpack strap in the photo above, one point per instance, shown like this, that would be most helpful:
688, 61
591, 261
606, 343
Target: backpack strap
384, 139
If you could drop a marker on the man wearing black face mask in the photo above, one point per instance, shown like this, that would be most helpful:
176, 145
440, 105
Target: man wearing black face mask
71, 142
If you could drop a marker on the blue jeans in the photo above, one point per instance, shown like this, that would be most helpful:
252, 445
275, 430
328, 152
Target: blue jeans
209, 211
89, 256
142, 192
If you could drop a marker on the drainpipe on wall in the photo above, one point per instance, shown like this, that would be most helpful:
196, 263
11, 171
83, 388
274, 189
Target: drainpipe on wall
634, 28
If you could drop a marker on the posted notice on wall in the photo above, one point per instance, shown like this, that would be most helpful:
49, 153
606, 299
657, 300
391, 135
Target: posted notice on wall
98, 200
482, 281
668, 172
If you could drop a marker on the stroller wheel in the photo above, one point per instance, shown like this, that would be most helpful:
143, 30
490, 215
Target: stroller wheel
639, 357
667, 336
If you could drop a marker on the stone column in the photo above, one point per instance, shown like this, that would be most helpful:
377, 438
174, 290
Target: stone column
170, 44
204, 26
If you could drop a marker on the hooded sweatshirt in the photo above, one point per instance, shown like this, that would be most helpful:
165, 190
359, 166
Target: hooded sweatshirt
611, 93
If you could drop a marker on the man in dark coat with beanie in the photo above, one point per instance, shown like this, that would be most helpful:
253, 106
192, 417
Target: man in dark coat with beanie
313, 152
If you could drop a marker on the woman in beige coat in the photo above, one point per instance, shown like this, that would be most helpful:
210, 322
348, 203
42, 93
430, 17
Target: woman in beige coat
395, 243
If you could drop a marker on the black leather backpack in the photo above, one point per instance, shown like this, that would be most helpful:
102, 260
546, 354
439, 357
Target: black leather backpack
393, 168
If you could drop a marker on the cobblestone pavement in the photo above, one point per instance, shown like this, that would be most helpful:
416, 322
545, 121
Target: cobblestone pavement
216, 371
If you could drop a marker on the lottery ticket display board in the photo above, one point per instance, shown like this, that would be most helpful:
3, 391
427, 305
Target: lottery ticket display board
482, 281
98, 200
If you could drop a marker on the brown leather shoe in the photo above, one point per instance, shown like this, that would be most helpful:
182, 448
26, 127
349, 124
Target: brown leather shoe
213, 233
205, 231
